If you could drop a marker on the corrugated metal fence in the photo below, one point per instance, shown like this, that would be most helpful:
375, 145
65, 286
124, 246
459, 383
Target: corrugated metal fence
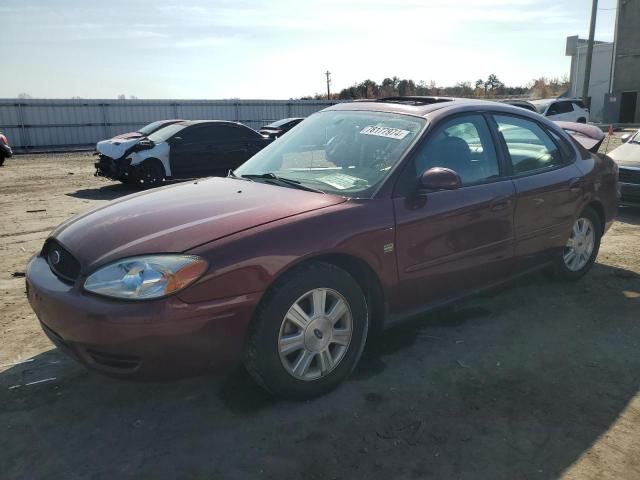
73, 124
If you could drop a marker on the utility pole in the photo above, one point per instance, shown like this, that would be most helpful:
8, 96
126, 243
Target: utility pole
587, 66
328, 74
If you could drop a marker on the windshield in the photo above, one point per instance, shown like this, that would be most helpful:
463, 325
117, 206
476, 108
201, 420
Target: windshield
541, 107
340, 152
153, 126
165, 133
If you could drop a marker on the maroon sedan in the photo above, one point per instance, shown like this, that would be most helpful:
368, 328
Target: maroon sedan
364, 215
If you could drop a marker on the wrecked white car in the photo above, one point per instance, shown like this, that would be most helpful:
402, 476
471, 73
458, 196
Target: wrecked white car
186, 149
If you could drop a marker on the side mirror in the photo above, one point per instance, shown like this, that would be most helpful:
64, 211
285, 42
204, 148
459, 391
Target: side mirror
625, 137
439, 178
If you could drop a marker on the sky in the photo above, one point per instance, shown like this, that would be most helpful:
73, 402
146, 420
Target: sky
279, 49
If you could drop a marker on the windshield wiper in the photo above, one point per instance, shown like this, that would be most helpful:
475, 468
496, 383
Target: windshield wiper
287, 181
231, 174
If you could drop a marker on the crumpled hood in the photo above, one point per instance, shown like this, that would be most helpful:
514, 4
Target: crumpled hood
180, 217
626, 155
116, 148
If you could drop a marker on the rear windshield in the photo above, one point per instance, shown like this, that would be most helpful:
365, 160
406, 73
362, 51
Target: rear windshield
279, 123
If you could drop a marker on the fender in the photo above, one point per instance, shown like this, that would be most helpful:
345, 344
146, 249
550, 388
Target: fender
161, 152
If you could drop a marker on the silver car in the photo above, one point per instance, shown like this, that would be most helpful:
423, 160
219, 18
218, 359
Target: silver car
627, 156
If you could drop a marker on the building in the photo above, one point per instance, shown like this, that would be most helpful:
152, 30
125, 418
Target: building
622, 104
600, 78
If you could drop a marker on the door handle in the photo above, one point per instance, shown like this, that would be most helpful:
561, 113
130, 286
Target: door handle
575, 185
499, 203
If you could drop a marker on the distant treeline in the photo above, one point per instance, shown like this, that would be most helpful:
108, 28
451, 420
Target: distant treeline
492, 87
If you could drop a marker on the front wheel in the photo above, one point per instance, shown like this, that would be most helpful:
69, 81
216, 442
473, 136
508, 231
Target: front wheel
150, 173
308, 333
582, 248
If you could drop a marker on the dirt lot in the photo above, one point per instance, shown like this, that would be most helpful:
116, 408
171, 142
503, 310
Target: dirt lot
538, 381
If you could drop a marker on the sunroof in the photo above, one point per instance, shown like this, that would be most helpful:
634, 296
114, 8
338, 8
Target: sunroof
414, 100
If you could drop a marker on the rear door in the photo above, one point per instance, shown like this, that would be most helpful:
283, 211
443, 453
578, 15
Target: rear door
237, 144
452, 241
561, 110
548, 187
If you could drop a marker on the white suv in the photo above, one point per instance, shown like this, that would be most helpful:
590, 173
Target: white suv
566, 109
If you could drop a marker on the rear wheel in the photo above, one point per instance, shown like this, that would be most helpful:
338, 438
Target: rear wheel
582, 248
308, 333
582, 120
150, 173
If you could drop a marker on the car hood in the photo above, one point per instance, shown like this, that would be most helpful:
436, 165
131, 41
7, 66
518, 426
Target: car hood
116, 148
180, 217
626, 155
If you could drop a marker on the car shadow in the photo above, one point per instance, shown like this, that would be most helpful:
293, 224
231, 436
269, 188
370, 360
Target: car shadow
518, 384
107, 192
629, 215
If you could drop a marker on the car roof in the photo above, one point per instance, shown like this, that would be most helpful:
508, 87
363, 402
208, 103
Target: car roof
282, 121
546, 101
424, 106
203, 122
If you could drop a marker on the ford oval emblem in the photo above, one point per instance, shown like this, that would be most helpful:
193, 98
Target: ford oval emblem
54, 257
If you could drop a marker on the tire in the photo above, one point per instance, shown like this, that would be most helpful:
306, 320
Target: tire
150, 173
582, 120
1, 160
572, 267
277, 363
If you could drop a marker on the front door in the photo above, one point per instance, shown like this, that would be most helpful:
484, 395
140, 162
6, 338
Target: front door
451, 241
191, 151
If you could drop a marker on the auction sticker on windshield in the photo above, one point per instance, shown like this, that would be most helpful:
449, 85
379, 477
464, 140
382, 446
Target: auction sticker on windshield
341, 181
387, 132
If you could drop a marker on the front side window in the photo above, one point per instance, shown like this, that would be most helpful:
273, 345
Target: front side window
530, 147
464, 145
348, 153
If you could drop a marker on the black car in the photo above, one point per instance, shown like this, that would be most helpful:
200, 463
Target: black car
5, 149
187, 149
279, 128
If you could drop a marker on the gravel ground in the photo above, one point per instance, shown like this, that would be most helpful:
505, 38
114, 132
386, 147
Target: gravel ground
536, 381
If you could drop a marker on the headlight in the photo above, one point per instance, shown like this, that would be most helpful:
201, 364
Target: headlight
145, 277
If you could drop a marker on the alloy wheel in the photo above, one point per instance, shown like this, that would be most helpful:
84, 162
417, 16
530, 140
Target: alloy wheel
580, 245
315, 334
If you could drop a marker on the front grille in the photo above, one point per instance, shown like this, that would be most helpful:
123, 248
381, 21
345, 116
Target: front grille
113, 360
628, 176
60, 261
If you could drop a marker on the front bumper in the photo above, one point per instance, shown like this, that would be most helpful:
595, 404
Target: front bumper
149, 339
5, 150
629, 194
111, 168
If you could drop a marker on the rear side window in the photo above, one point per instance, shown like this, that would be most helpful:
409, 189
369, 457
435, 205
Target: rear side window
530, 147
579, 104
232, 133
560, 107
